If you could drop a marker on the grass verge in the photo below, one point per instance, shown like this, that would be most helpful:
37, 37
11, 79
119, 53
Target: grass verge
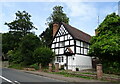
66, 74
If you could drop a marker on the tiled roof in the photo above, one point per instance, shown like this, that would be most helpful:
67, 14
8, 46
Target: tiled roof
77, 34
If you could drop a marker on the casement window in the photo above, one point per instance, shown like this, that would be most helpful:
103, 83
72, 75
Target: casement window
60, 59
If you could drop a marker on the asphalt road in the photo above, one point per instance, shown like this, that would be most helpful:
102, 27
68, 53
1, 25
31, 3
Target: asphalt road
11, 76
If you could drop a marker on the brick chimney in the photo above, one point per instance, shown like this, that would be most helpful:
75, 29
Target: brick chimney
55, 28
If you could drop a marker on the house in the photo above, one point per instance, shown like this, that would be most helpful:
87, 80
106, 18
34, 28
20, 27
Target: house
71, 47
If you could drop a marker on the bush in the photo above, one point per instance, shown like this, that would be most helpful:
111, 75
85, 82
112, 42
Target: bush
35, 66
111, 68
43, 55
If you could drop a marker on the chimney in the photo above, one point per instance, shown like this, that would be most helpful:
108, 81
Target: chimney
55, 28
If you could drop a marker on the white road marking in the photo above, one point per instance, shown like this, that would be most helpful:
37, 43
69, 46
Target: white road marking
7, 79
16, 82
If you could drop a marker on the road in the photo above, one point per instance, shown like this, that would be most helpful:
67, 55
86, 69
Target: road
11, 76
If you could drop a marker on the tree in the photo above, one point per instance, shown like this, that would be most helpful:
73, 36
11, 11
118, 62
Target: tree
106, 44
20, 27
27, 46
43, 55
21, 24
8, 42
57, 16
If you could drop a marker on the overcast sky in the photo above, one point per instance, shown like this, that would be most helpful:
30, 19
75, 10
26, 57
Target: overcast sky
82, 15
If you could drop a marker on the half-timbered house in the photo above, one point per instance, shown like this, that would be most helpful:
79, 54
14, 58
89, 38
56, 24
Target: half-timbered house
71, 47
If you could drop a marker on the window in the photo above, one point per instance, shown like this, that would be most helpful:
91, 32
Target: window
85, 45
60, 59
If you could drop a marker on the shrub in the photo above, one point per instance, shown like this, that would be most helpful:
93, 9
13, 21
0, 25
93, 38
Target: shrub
35, 66
43, 55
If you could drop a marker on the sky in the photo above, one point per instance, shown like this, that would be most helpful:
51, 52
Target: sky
82, 15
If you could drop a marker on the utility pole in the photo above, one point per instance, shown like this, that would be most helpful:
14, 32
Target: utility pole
98, 20
119, 8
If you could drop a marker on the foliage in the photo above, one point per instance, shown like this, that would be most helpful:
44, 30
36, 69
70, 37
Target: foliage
35, 66
21, 24
10, 42
24, 53
14, 56
43, 55
16, 66
27, 46
19, 27
57, 16
111, 67
106, 44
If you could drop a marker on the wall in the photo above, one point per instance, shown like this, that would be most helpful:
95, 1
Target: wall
83, 62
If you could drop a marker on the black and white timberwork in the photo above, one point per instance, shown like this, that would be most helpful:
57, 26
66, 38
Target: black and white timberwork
71, 47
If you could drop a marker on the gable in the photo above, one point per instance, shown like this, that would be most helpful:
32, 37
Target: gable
62, 40
62, 31
61, 35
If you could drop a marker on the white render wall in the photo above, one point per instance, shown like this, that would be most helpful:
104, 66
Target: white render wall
76, 61
82, 62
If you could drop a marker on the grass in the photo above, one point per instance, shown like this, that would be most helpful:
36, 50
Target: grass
16, 66
66, 74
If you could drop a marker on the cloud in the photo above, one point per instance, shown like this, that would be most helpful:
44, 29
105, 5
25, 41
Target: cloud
83, 10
